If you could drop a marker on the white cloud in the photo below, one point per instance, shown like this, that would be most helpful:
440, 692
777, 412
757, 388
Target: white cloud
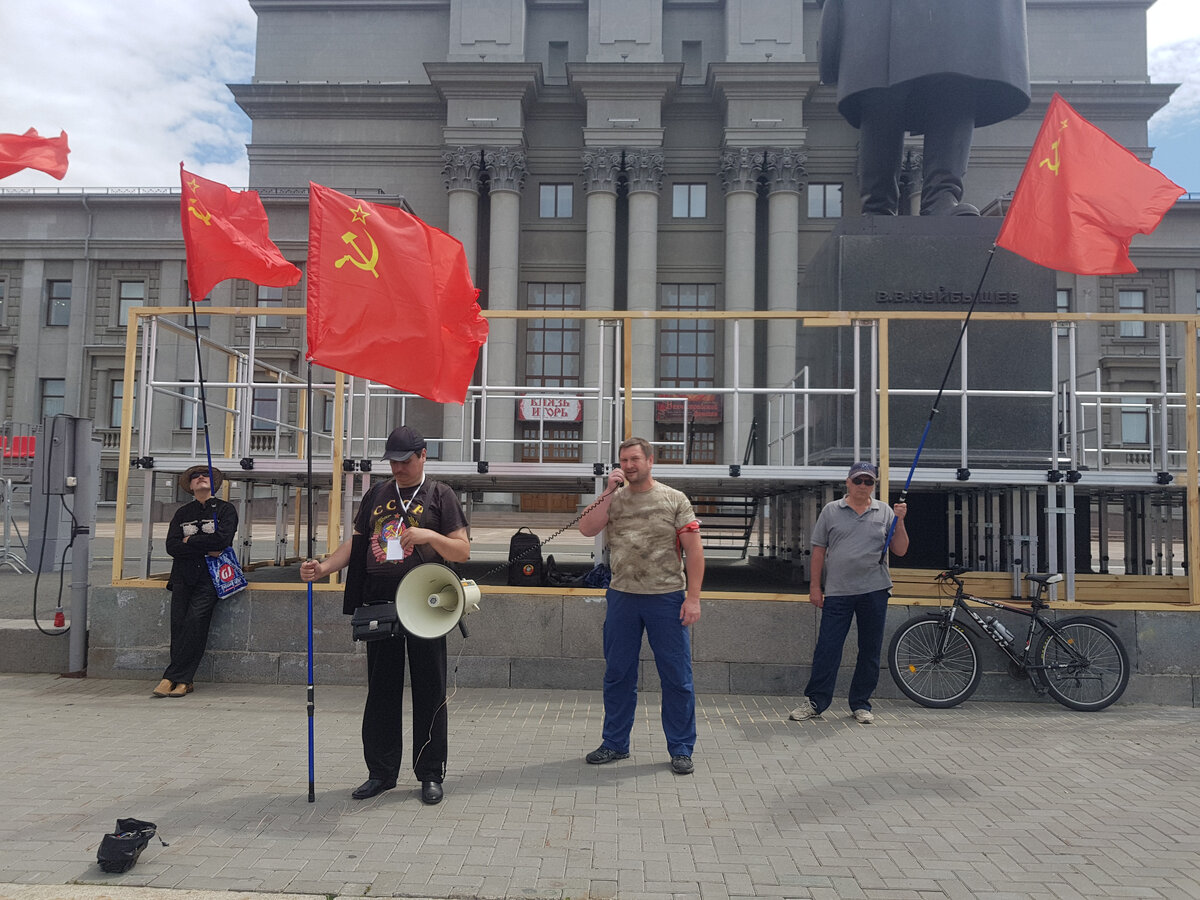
1173, 41
138, 85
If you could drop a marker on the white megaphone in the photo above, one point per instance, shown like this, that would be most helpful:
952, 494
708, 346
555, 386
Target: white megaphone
431, 600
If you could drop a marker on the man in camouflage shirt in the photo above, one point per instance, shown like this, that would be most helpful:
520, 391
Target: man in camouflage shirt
653, 536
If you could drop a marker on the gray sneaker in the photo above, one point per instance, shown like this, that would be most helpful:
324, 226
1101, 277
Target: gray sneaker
804, 711
864, 717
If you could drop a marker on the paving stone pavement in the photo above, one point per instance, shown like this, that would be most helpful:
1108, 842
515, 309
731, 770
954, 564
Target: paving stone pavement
990, 800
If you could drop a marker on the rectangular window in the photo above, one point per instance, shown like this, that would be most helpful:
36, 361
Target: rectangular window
270, 297
556, 201
824, 201
58, 303
691, 55
109, 488
265, 409
129, 294
3, 294
327, 409
1132, 302
189, 409
1135, 420
689, 201
54, 397
554, 347
116, 397
1062, 304
556, 62
687, 348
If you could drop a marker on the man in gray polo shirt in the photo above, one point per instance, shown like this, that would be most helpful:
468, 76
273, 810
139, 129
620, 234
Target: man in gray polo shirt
850, 580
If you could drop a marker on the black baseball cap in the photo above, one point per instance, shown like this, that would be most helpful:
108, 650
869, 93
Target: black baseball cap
861, 468
402, 443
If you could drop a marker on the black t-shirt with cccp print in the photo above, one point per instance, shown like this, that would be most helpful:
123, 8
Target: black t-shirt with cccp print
382, 517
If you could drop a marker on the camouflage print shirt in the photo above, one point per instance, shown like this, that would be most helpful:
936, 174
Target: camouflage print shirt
643, 539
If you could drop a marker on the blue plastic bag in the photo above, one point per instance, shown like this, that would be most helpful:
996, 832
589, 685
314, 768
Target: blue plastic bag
226, 573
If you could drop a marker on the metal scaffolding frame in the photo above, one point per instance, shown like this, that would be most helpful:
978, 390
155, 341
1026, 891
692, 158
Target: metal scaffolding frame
994, 522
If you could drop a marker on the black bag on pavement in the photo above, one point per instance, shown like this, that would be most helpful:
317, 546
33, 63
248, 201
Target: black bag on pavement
121, 849
525, 568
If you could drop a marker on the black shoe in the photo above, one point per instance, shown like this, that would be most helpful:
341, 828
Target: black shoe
431, 792
371, 787
682, 765
602, 755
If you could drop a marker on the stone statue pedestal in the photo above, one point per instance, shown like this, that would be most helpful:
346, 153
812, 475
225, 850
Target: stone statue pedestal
930, 264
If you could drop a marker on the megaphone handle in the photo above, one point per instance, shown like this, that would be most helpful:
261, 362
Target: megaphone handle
462, 627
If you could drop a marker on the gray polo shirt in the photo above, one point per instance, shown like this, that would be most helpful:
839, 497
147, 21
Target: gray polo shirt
852, 545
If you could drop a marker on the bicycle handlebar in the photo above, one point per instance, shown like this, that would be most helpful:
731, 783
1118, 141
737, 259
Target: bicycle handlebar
952, 573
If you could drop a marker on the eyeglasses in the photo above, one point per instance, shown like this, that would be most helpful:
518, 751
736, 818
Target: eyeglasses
865, 479
196, 475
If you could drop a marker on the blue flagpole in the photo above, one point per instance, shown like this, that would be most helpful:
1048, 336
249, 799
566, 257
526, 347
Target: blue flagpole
312, 795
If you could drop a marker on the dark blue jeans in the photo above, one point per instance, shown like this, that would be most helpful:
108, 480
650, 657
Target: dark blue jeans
627, 617
870, 610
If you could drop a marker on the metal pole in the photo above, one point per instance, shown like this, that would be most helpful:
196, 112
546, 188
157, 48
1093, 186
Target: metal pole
312, 796
936, 400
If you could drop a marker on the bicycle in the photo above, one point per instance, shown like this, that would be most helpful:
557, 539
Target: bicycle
1080, 661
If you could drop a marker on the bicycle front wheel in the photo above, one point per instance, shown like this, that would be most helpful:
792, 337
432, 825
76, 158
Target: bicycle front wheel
934, 662
1086, 666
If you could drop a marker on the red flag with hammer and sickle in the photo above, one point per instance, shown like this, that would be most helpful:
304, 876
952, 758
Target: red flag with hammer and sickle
1082, 198
226, 236
390, 298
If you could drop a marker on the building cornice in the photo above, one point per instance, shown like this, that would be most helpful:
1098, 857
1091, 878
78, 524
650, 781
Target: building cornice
337, 99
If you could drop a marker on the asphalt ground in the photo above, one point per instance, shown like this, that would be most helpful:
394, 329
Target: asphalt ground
991, 800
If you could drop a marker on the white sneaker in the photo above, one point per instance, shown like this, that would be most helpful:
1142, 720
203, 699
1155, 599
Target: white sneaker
864, 717
805, 710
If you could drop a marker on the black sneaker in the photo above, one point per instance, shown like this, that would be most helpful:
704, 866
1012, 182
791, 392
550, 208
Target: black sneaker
682, 765
602, 755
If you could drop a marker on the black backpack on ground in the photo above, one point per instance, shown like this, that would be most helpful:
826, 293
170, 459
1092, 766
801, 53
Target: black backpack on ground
121, 849
525, 567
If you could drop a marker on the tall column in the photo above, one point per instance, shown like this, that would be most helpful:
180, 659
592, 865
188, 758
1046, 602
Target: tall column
739, 172
600, 170
644, 170
506, 171
785, 178
461, 175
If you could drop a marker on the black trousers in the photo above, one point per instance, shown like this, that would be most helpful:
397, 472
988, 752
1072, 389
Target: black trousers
949, 129
192, 607
383, 721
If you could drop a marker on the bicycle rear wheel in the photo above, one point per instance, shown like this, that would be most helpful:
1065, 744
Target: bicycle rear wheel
1086, 666
934, 662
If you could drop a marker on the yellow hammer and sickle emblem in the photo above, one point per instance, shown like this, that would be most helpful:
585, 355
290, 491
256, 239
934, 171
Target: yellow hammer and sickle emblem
194, 201
363, 262
1052, 166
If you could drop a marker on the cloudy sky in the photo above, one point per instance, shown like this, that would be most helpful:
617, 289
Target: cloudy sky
139, 85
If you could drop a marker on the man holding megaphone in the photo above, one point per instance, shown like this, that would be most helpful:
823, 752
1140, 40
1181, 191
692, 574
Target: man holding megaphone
401, 523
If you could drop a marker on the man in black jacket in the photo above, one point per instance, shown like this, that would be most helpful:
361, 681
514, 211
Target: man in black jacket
199, 529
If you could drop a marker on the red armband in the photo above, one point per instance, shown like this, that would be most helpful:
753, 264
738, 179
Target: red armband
693, 525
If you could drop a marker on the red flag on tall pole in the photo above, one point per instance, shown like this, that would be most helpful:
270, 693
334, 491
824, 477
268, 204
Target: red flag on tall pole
226, 236
32, 151
1082, 197
390, 298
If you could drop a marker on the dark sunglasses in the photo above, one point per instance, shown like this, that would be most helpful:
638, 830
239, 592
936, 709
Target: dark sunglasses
198, 475
865, 479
